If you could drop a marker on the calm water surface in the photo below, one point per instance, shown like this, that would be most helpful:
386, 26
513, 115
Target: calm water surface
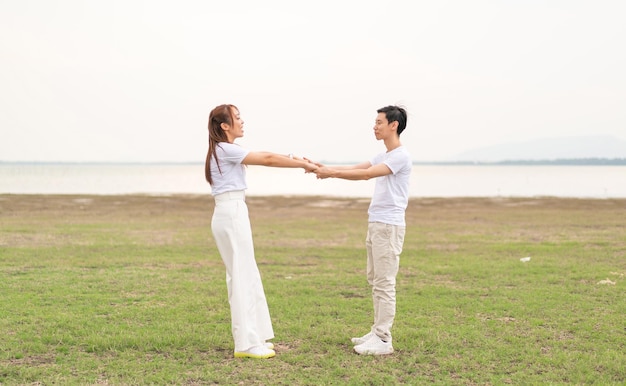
426, 180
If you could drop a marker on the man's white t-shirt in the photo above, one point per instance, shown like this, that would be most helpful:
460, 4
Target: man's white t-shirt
231, 174
391, 192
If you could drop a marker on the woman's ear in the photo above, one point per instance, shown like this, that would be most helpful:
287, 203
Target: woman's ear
224, 126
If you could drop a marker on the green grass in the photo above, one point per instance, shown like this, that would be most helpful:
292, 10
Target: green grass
126, 290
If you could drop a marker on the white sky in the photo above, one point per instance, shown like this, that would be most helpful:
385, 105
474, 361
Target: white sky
127, 80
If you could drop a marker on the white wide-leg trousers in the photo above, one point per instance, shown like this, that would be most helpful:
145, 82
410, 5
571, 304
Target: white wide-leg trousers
250, 317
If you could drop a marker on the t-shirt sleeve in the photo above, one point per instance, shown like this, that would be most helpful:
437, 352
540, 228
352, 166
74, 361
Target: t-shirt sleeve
396, 161
378, 158
233, 153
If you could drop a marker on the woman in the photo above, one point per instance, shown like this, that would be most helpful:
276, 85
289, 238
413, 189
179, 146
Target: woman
225, 171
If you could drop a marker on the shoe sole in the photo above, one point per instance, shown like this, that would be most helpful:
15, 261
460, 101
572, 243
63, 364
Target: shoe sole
366, 352
253, 356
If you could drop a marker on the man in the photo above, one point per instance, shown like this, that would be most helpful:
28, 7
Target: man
386, 224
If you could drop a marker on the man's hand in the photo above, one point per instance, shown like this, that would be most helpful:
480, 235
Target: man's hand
324, 172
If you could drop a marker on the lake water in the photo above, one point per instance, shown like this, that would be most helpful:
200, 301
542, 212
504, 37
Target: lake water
426, 180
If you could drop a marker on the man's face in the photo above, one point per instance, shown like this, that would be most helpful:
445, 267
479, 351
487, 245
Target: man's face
382, 128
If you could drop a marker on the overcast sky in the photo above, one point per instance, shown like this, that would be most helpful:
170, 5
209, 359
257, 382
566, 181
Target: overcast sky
127, 80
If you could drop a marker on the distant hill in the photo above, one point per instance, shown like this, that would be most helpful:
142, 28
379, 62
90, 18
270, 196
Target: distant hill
603, 147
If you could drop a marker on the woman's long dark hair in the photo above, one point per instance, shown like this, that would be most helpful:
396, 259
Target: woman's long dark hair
220, 114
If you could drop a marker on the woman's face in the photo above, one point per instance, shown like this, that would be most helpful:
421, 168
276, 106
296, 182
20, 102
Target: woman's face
236, 130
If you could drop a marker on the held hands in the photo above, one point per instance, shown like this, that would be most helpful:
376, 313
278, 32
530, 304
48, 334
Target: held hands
316, 165
323, 172
309, 166
319, 169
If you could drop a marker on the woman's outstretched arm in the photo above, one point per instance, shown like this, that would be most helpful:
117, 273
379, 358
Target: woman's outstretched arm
265, 158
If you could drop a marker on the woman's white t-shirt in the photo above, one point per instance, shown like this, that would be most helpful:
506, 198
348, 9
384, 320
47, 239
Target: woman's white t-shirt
231, 174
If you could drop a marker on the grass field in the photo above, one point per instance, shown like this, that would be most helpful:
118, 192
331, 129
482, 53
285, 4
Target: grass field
123, 290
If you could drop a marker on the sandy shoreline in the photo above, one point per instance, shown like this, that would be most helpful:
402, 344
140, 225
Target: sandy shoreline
193, 205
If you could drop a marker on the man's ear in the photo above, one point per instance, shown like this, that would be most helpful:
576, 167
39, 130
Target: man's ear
394, 125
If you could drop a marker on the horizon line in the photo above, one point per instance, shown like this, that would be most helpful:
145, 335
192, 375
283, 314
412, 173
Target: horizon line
573, 160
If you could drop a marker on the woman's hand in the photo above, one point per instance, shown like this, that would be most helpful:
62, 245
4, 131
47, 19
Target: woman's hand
310, 167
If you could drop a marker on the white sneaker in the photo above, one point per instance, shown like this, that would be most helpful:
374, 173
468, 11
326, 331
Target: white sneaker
256, 352
374, 346
269, 345
362, 339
